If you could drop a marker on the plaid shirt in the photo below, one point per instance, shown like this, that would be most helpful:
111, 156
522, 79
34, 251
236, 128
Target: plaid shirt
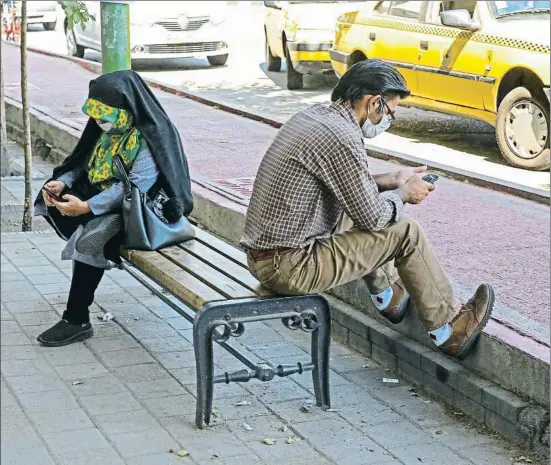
315, 169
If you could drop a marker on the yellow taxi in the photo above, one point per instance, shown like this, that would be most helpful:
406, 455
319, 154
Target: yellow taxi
487, 60
301, 34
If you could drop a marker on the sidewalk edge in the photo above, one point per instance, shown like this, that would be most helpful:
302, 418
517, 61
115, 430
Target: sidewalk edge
537, 195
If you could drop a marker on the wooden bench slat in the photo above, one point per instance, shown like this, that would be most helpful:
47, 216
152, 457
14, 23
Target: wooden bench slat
187, 287
229, 251
204, 271
225, 266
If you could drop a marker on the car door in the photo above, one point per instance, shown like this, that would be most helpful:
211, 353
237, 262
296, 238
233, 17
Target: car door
90, 36
390, 35
452, 67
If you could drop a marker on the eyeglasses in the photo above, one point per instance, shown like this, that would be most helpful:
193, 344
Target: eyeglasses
389, 111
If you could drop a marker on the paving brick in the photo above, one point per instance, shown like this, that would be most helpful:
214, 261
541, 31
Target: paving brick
174, 360
53, 288
59, 421
409, 372
348, 363
223, 391
15, 339
359, 451
31, 456
7, 277
165, 458
340, 333
384, 337
26, 367
143, 442
435, 454
9, 327
504, 403
394, 435
125, 357
151, 330
321, 432
93, 457
20, 285
31, 306
488, 454
22, 437
469, 384
69, 355
126, 422
75, 441
61, 399
81, 371
289, 454
35, 383
512, 431
439, 389
165, 387
384, 357
159, 407
54, 278
109, 403
272, 392
101, 385
169, 344
35, 270
9, 353
132, 374
439, 366
47, 318
108, 329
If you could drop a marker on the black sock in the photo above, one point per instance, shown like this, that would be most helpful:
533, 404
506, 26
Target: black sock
84, 283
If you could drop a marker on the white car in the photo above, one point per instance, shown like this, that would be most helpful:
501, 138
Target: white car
41, 12
162, 30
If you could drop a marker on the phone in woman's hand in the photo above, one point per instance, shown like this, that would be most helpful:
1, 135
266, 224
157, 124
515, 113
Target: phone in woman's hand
54, 196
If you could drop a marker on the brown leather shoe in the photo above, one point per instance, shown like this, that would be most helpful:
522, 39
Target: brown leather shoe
399, 304
469, 322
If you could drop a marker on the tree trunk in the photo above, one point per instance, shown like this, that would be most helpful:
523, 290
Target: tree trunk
27, 212
5, 163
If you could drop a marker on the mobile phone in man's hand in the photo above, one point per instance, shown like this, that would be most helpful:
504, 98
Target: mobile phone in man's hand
54, 196
431, 178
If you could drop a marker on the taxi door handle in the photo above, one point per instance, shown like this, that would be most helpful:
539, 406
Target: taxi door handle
424, 45
372, 36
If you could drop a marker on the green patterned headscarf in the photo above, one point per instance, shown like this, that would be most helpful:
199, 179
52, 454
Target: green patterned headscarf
122, 140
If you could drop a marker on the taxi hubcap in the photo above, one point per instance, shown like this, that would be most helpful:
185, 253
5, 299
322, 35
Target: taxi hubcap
526, 129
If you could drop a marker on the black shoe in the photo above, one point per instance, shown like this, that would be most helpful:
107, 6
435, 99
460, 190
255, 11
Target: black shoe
64, 333
97, 233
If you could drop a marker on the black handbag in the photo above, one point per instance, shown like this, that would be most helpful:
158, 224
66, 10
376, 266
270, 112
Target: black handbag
144, 226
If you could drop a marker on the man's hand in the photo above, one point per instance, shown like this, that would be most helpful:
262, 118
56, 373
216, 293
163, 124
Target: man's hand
415, 190
72, 207
56, 187
403, 175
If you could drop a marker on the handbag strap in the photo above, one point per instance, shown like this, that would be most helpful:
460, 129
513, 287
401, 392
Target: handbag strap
124, 175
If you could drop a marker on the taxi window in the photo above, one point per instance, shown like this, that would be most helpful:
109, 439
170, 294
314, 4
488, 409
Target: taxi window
469, 5
407, 9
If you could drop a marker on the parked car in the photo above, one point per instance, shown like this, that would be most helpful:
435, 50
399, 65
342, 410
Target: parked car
162, 30
301, 33
487, 60
40, 12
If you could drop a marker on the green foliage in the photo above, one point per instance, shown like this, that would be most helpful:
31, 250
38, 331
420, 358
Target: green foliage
76, 13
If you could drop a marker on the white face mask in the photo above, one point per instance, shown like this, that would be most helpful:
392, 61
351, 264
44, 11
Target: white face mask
105, 126
370, 130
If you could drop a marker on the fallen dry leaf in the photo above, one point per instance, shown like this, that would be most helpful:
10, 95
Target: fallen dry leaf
458, 414
183, 453
269, 441
391, 380
171, 451
215, 412
283, 428
291, 440
247, 427
77, 382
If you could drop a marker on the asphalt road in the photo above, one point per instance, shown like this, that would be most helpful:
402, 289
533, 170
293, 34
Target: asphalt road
245, 83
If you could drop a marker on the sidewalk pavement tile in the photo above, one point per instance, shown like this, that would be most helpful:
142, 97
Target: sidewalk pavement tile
10, 327
61, 399
20, 437
167, 458
436, 454
36, 306
174, 360
34, 383
358, 451
159, 345
144, 442
299, 453
223, 445
110, 344
156, 388
109, 403
147, 371
26, 367
81, 371
98, 385
46, 318
81, 440
59, 421
126, 422
183, 404
94, 457
125, 357
73, 354
48, 279
33, 456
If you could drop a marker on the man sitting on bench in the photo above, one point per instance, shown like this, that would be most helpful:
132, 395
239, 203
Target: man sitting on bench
318, 219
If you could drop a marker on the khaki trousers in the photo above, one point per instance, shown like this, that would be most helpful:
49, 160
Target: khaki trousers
401, 250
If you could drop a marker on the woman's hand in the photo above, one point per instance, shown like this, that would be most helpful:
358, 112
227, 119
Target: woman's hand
73, 206
56, 187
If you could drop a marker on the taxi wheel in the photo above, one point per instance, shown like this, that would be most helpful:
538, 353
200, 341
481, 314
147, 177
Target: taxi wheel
294, 79
272, 63
522, 129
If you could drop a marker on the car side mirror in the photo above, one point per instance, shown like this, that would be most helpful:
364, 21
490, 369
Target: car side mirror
275, 5
460, 19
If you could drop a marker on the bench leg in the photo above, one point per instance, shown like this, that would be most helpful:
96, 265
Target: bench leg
321, 340
202, 341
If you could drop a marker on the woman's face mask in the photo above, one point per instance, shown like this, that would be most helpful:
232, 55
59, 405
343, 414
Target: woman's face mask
104, 125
